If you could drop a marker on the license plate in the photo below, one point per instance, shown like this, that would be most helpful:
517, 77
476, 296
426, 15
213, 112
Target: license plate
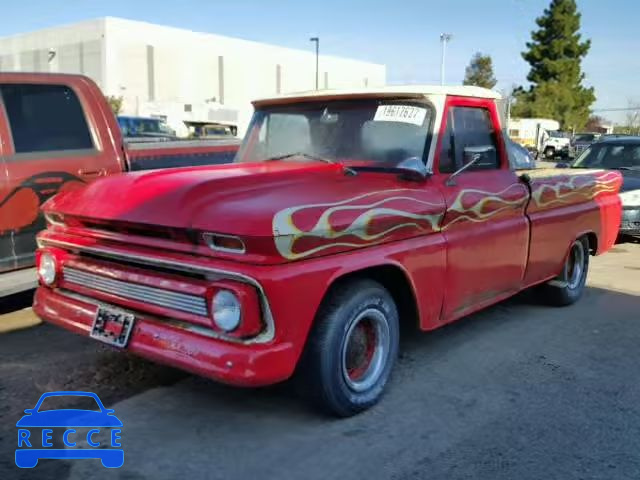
112, 326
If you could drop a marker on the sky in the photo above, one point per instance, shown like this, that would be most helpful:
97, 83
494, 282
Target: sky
402, 34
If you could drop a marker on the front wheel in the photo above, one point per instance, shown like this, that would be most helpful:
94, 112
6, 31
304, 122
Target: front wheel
351, 349
568, 287
550, 152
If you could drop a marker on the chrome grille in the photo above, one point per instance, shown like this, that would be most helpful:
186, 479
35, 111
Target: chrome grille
141, 293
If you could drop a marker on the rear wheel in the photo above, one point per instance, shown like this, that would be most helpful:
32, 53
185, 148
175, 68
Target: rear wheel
351, 349
568, 287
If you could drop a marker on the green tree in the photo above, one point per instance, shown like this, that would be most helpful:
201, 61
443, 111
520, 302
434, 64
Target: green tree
555, 54
115, 103
479, 72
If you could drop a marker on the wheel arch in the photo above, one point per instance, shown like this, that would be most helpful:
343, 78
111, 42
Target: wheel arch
592, 240
392, 277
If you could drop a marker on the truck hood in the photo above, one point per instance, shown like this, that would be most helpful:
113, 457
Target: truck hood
314, 200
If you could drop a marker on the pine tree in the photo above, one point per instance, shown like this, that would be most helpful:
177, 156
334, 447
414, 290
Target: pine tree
480, 72
555, 55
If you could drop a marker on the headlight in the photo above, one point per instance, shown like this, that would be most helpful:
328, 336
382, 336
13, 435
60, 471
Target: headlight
47, 268
226, 310
630, 198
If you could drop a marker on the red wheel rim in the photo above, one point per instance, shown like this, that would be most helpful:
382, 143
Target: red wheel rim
360, 350
365, 350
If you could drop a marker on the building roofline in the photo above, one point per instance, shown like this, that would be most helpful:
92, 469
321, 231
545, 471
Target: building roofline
54, 27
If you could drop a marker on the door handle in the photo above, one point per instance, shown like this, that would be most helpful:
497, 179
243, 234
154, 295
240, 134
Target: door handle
92, 173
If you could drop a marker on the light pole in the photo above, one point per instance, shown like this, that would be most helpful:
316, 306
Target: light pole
316, 40
444, 38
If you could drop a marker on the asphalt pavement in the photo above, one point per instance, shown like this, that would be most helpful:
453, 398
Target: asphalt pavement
518, 391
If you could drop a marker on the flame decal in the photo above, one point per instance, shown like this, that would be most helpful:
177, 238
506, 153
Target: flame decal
477, 212
287, 233
548, 188
571, 189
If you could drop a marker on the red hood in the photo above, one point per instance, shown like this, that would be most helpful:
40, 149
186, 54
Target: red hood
260, 200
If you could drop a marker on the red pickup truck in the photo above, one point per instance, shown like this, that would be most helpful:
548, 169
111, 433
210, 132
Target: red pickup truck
58, 132
345, 214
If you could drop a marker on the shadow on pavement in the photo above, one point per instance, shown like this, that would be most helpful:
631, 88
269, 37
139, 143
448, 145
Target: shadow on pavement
516, 391
16, 301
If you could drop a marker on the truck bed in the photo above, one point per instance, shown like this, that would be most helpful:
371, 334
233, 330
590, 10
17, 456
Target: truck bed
147, 155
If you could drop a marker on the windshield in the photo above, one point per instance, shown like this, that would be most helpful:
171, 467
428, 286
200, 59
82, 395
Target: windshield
216, 131
354, 132
557, 134
602, 155
584, 137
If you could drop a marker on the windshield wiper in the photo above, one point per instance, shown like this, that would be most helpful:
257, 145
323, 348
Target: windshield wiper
299, 154
318, 158
404, 173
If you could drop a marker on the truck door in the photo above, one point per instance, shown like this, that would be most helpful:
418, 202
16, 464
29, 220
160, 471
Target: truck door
484, 226
49, 148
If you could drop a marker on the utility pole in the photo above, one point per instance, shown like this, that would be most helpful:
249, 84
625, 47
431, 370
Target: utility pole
316, 40
444, 38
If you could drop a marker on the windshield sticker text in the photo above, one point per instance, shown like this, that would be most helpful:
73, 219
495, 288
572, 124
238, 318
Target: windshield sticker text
400, 113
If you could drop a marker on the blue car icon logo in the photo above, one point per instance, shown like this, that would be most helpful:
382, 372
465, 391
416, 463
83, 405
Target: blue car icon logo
81, 431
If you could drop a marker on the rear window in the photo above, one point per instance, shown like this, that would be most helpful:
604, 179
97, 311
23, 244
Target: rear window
45, 118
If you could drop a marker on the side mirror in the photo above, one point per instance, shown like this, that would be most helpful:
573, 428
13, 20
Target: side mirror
471, 156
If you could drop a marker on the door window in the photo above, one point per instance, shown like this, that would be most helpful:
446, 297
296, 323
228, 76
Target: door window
469, 133
45, 118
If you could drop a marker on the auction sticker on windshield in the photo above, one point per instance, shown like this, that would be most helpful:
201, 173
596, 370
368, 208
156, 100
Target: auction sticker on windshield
400, 113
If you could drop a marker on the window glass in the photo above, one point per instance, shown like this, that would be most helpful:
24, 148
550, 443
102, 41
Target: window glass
584, 137
356, 132
284, 133
474, 132
610, 156
391, 142
447, 158
45, 118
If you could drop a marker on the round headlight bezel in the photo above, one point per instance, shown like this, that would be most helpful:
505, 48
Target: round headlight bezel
47, 269
226, 310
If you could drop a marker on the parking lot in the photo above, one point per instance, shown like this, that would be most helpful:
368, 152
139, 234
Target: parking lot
517, 391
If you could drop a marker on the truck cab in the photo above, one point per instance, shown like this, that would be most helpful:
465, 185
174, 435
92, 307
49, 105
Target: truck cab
344, 214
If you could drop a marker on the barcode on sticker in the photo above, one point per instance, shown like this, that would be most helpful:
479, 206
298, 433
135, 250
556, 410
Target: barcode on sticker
400, 113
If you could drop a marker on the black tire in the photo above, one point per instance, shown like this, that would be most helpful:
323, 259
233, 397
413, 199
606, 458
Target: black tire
549, 152
332, 347
568, 287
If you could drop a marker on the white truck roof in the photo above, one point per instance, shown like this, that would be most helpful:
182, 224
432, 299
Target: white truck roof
410, 91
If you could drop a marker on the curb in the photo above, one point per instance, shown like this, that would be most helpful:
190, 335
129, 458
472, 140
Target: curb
18, 320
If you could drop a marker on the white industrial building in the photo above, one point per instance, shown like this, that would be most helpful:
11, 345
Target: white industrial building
179, 74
